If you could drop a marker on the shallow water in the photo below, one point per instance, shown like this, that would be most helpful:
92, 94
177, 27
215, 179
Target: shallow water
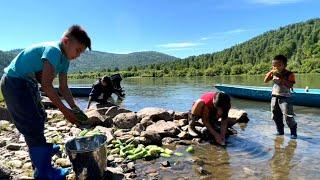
254, 152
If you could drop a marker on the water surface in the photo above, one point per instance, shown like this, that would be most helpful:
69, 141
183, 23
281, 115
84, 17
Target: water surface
255, 152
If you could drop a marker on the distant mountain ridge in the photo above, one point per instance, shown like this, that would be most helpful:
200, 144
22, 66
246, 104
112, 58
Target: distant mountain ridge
96, 60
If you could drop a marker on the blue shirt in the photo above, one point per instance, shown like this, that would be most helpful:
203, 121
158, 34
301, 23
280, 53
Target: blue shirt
31, 59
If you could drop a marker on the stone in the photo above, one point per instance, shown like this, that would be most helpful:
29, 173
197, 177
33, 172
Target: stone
155, 114
94, 117
118, 160
184, 135
114, 173
165, 164
75, 131
21, 154
125, 120
15, 163
125, 137
106, 131
3, 143
63, 162
169, 140
146, 121
138, 127
110, 158
114, 111
14, 146
5, 125
152, 137
27, 165
24, 178
131, 166
165, 129
60, 124
238, 115
181, 115
202, 171
64, 129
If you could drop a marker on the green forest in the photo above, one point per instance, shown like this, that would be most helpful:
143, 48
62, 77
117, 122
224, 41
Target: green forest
300, 42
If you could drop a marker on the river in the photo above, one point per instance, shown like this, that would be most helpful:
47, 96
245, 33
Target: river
255, 152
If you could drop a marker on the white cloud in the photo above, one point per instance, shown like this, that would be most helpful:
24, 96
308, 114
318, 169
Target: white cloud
221, 35
180, 45
177, 49
274, 2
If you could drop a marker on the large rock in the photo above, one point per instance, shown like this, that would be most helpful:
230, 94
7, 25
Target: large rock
156, 114
95, 118
238, 115
165, 129
152, 137
125, 120
115, 110
181, 115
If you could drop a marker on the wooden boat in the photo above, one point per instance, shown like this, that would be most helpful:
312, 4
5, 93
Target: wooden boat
299, 95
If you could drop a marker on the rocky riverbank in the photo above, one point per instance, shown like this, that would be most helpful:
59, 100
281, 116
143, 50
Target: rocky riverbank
148, 126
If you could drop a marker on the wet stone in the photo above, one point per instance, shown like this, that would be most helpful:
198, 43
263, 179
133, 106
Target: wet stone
165, 164
130, 166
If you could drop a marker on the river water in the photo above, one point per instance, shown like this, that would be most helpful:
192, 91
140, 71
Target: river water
254, 153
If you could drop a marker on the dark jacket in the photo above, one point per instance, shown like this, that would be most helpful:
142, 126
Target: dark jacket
98, 89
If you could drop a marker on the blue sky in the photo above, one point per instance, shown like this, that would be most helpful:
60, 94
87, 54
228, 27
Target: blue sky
176, 27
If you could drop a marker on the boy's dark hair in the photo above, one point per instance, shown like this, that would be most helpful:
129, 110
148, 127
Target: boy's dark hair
107, 80
222, 100
282, 58
79, 34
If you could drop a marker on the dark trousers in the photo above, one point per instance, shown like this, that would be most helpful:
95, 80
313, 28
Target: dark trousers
23, 101
282, 108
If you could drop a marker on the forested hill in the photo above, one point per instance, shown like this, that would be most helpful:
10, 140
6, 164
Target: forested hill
300, 42
97, 61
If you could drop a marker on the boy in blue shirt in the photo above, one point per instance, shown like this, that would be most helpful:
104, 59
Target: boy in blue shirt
41, 63
281, 102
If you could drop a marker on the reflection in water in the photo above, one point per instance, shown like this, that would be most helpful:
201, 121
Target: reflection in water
216, 160
280, 163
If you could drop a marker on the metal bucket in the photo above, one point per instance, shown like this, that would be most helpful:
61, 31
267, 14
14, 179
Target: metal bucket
88, 156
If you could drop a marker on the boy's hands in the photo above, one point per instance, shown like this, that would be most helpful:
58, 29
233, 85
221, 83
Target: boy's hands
69, 115
219, 139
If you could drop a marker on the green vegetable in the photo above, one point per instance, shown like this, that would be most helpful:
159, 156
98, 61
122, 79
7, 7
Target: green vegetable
178, 154
168, 151
115, 151
190, 149
139, 155
83, 132
165, 155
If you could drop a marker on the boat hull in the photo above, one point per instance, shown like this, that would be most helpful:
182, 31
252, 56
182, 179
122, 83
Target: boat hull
299, 96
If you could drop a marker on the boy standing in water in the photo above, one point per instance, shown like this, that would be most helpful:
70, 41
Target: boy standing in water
19, 84
281, 102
